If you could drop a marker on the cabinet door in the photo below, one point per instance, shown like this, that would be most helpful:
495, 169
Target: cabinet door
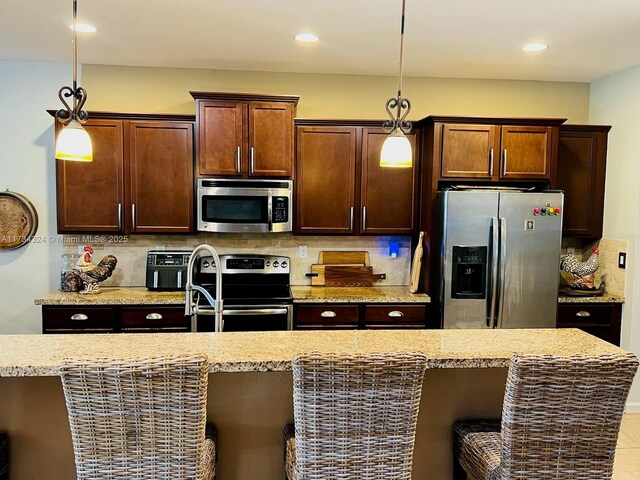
160, 158
395, 316
221, 150
270, 139
527, 152
388, 194
470, 151
329, 316
601, 320
78, 319
153, 319
90, 195
581, 175
326, 179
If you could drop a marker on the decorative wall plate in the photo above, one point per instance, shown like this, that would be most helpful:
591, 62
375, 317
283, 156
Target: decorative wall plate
18, 220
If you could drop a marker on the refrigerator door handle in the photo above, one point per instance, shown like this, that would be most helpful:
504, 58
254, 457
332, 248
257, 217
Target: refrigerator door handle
495, 235
503, 269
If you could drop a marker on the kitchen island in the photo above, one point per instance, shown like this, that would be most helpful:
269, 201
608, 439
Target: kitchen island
250, 387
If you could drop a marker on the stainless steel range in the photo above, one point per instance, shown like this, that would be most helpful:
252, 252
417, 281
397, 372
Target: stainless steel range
255, 291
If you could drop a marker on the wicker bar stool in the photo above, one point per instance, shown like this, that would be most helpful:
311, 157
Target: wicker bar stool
560, 420
355, 416
140, 418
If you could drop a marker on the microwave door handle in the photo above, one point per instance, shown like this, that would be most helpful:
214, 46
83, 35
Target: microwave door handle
270, 211
491, 319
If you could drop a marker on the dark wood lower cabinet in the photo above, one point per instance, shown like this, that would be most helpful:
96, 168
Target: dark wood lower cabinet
332, 316
601, 320
114, 319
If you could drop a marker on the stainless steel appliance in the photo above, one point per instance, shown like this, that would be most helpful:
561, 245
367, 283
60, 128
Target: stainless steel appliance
244, 205
167, 270
255, 291
500, 254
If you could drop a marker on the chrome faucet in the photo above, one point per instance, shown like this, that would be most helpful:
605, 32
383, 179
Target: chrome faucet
191, 308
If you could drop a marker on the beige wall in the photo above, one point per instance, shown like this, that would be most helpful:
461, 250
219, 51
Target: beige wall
615, 101
166, 90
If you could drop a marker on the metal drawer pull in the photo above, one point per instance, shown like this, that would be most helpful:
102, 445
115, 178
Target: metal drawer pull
328, 314
582, 313
79, 316
396, 313
154, 316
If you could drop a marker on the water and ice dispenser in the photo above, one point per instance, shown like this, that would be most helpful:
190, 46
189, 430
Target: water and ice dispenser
469, 275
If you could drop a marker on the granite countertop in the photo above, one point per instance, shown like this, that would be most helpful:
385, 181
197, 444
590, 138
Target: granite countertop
390, 294
41, 355
606, 298
301, 294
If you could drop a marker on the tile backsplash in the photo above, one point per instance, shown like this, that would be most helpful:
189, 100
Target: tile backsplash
131, 254
608, 270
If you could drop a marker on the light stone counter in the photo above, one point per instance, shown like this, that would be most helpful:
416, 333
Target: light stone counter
41, 355
387, 294
606, 298
114, 296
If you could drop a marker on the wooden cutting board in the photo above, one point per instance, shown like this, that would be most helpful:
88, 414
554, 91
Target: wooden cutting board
416, 266
318, 273
350, 276
336, 257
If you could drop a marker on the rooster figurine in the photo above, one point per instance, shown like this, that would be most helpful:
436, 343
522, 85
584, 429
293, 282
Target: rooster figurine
582, 271
86, 277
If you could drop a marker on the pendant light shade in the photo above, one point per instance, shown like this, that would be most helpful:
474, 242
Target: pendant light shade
396, 151
74, 143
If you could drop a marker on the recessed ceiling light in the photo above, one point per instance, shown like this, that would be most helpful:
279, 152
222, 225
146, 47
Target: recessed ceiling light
84, 28
534, 47
306, 38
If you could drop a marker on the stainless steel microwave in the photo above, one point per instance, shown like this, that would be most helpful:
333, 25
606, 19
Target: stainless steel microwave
244, 206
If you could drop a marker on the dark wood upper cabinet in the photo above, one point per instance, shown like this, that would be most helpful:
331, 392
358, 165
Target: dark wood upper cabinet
160, 177
582, 159
244, 135
528, 152
220, 143
388, 205
469, 151
493, 149
90, 196
325, 179
140, 180
340, 186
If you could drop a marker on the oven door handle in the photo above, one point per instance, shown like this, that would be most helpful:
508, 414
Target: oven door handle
256, 311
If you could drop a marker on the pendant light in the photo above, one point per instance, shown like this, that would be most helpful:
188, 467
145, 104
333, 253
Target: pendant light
396, 149
73, 140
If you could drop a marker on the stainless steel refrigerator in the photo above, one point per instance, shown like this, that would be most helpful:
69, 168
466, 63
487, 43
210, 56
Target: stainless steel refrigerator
499, 258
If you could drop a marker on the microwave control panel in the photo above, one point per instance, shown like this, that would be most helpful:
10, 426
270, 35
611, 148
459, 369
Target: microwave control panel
280, 209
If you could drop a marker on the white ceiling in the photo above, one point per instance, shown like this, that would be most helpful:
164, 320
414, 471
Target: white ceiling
447, 38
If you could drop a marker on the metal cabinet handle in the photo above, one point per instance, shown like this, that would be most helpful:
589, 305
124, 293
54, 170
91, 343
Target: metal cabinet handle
238, 159
364, 218
351, 219
583, 313
119, 216
396, 313
328, 314
133, 216
491, 162
504, 165
79, 317
251, 160
154, 316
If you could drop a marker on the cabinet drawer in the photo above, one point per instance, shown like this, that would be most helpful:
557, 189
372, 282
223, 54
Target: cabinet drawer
584, 315
153, 319
327, 314
389, 315
78, 319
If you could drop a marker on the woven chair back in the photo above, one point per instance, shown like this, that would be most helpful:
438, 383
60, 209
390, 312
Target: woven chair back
355, 415
138, 418
561, 416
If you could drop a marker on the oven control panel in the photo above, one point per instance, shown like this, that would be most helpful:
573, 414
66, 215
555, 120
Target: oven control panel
247, 264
